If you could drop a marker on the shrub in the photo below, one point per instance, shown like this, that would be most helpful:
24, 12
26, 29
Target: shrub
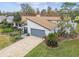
13, 34
51, 40
8, 30
17, 37
77, 21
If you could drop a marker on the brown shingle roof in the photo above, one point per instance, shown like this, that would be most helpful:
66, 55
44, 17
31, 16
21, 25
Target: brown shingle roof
41, 21
52, 18
23, 18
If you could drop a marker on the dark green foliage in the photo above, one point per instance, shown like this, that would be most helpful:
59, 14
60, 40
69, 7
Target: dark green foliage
17, 37
8, 30
52, 43
52, 36
77, 21
7, 27
51, 40
17, 17
4, 24
49, 11
43, 12
68, 5
38, 12
66, 10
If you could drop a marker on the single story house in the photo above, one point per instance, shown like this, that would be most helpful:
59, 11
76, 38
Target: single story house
9, 19
39, 26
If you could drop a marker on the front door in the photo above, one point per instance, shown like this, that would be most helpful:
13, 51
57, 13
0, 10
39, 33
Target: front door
25, 30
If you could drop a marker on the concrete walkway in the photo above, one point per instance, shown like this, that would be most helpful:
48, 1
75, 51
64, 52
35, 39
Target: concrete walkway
21, 48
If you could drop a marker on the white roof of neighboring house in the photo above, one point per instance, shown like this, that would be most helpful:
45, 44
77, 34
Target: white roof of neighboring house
41, 21
10, 17
4, 17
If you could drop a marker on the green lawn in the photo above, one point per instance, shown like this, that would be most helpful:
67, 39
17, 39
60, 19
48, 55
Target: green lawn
66, 48
5, 40
77, 27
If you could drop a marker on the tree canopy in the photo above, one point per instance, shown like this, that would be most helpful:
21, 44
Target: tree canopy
68, 5
27, 9
67, 10
17, 17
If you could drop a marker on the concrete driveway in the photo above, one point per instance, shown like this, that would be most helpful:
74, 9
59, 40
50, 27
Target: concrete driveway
21, 48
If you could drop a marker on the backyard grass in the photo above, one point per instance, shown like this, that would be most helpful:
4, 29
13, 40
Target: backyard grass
66, 48
5, 41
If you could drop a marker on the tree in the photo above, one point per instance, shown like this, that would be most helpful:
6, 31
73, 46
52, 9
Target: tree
68, 5
0, 13
76, 10
43, 12
67, 10
56, 12
26, 8
49, 11
17, 17
38, 12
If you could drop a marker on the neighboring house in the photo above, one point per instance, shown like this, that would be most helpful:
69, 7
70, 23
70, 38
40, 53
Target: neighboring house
2, 18
10, 19
39, 26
